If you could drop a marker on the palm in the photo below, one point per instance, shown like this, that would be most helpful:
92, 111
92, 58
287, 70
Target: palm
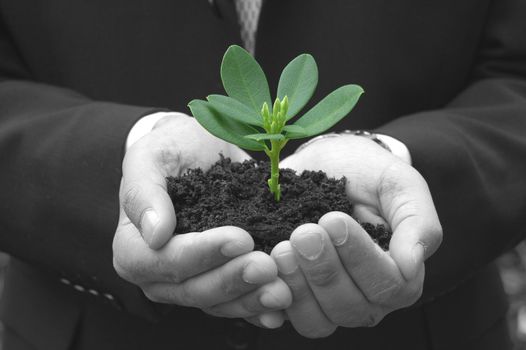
363, 163
179, 144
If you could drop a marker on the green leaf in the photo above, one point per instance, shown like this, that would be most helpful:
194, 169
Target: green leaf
228, 107
244, 79
330, 110
224, 128
294, 131
263, 137
294, 128
298, 81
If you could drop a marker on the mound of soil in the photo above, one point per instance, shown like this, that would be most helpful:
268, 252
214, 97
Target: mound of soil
237, 194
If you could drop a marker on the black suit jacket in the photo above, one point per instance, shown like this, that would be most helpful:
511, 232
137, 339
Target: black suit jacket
448, 78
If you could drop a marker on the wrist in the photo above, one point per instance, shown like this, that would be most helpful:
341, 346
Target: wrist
390, 144
396, 147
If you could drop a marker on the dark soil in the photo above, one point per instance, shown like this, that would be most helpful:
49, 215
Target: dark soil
237, 194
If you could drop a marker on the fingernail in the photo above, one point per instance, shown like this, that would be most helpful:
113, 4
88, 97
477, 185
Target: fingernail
309, 245
286, 263
235, 248
418, 253
149, 221
270, 321
270, 301
339, 233
253, 274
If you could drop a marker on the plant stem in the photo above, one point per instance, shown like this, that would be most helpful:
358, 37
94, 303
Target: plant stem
273, 123
273, 182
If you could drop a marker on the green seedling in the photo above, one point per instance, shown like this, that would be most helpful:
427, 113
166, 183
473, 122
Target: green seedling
248, 118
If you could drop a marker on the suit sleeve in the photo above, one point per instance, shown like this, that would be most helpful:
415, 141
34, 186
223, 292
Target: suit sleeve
60, 161
473, 155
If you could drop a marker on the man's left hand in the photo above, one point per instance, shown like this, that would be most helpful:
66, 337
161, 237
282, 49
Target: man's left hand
337, 274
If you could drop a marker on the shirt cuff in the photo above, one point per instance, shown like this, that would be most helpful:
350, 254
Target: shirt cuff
145, 125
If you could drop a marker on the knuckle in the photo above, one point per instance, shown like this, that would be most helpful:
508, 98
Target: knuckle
361, 315
300, 290
364, 319
176, 264
372, 320
130, 198
252, 307
125, 263
348, 315
344, 318
128, 268
230, 288
174, 276
121, 271
187, 297
176, 271
322, 274
186, 256
196, 244
384, 291
167, 272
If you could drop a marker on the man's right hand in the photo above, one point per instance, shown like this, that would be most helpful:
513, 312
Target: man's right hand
215, 270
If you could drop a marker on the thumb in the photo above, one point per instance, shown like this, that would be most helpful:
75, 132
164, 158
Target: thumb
408, 207
145, 201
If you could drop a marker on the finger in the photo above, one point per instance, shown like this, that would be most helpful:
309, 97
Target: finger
368, 213
184, 256
270, 319
305, 313
225, 283
409, 209
371, 269
275, 295
144, 198
340, 299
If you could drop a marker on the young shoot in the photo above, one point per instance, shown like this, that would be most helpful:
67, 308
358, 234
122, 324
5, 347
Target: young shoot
273, 125
248, 118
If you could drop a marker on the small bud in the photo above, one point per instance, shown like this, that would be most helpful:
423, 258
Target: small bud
265, 111
285, 105
275, 108
273, 127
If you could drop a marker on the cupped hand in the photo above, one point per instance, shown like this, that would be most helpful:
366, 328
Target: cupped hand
215, 270
338, 276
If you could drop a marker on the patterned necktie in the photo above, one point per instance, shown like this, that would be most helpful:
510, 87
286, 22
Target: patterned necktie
248, 14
